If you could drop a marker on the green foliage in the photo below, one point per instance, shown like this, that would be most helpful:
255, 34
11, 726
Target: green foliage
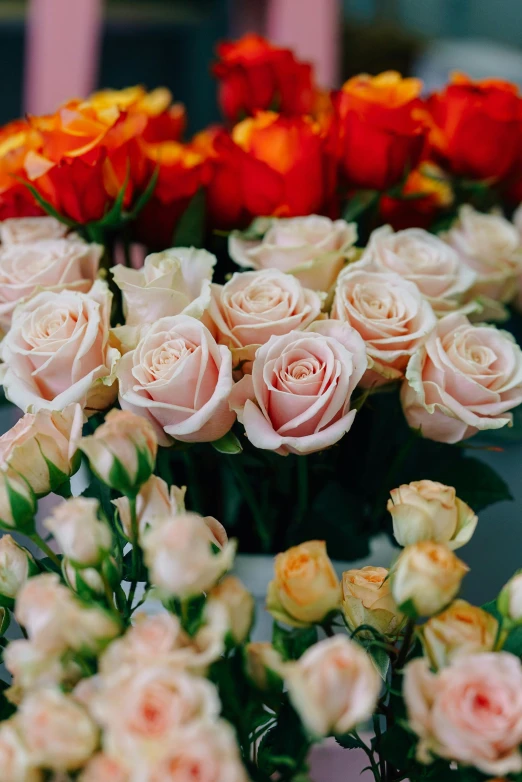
228, 444
190, 230
284, 747
7, 709
359, 203
291, 644
476, 483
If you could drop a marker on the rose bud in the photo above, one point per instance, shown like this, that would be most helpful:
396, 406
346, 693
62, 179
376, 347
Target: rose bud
305, 588
122, 451
367, 600
333, 686
239, 604
17, 502
5, 620
82, 580
425, 578
83, 538
16, 566
264, 665
460, 629
509, 601
43, 447
427, 510
154, 502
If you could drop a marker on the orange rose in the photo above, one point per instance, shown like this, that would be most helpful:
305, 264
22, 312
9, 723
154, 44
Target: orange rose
477, 127
425, 192
379, 129
256, 75
16, 139
269, 165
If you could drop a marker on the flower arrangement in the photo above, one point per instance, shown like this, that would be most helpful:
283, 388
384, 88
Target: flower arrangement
274, 324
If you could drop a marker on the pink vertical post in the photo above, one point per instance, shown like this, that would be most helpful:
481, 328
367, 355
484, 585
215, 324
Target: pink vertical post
62, 49
313, 29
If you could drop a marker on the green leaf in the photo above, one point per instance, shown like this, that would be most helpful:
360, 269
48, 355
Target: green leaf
228, 444
46, 206
348, 741
22, 510
396, 745
291, 644
381, 660
513, 642
362, 200
192, 614
492, 609
285, 745
101, 492
190, 230
114, 215
476, 483
57, 478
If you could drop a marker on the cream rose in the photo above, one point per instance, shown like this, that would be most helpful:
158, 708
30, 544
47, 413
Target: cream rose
180, 379
389, 313
155, 502
297, 399
122, 451
427, 510
51, 264
254, 306
57, 351
179, 554
171, 282
333, 686
42, 447
58, 732
510, 599
460, 629
104, 768
470, 712
27, 230
239, 605
16, 566
83, 538
313, 248
464, 379
425, 578
15, 762
490, 245
367, 600
305, 588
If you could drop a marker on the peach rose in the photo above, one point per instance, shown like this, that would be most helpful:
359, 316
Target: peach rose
460, 629
254, 306
490, 245
239, 605
180, 379
313, 248
171, 282
83, 538
27, 230
58, 732
155, 502
264, 665
333, 686
15, 761
305, 588
425, 578
470, 712
16, 566
179, 554
367, 600
57, 351
51, 264
389, 313
42, 447
422, 258
122, 451
297, 399
104, 768
464, 379
428, 510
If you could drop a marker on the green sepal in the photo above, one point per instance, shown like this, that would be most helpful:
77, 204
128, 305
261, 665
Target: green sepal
291, 644
361, 201
22, 510
228, 444
5, 620
408, 609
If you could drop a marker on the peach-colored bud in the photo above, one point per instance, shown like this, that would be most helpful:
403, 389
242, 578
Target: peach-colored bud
83, 538
239, 604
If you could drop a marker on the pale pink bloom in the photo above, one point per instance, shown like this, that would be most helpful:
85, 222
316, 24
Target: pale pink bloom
104, 768
155, 503
27, 230
33, 667
180, 379
464, 379
15, 763
470, 712
297, 399
16, 565
57, 351
239, 604
83, 538
389, 313
312, 248
333, 686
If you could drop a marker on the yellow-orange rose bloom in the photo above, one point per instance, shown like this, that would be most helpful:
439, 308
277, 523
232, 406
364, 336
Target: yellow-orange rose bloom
367, 600
461, 629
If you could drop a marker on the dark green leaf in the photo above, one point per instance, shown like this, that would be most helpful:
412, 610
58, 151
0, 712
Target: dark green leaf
48, 566
6, 707
348, 742
46, 206
291, 644
285, 746
22, 509
190, 230
361, 201
228, 444
476, 483
99, 491
513, 642
192, 614
492, 609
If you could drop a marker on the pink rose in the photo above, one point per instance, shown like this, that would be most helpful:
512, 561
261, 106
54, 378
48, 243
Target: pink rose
312, 248
390, 314
470, 712
103, 768
436, 268
464, 379
57, 351
26, 230
297, 399
180, 379
254, 306
50, 264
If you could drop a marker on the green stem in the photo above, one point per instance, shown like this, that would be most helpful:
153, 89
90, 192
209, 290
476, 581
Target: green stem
378, 737
406, 643
42, 545
135, 552
370, 755
109, 594
251, 501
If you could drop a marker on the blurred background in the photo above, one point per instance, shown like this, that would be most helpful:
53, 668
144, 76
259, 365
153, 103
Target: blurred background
51, 50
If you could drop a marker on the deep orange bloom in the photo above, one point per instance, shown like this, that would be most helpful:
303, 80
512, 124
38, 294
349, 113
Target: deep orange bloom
425, 192
477, 127
255, 76
379, 129
16, 139
269, 165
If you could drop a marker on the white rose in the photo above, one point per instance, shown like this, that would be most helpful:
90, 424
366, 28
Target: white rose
510, 599
33, 667
422, 258
83, 538
104, 768
26, 230
313, 248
